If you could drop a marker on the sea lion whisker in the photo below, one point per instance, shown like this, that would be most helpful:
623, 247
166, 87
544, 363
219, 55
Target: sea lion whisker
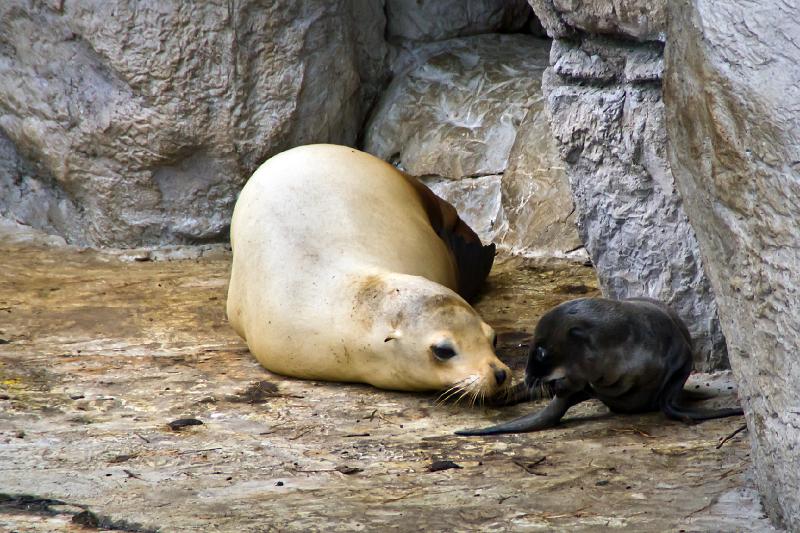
441, 398
464, 393
468, 388
474, 395
477, 390
458, 387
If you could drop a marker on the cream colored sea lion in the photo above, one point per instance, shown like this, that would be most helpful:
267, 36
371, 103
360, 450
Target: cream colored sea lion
345, 269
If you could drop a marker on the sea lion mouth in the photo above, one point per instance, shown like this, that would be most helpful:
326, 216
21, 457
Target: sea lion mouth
558, 385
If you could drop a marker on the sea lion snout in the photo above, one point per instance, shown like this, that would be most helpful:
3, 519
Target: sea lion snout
539, 364
500, 375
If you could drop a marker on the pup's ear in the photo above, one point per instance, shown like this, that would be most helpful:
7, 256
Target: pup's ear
579, 333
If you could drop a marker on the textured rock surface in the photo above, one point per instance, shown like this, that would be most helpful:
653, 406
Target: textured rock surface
642, 20
732, 93
539, 212
456, 110
146, 117
478, 201
471, 108
435, 20
99, 355
29, 195
604, 97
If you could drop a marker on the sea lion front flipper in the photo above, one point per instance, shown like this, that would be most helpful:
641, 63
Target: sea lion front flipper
546, 418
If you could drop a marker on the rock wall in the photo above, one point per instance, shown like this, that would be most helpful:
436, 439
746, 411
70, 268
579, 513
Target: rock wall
732, 94
146, 117
466, 116
129, 123
603, 93
436, 20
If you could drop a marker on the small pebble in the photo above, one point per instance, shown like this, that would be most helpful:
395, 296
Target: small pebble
348, 470
436, 466
181, 423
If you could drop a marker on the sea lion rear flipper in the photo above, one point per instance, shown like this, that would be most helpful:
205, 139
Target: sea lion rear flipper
546, 418
474, 262
473, 259
672, 390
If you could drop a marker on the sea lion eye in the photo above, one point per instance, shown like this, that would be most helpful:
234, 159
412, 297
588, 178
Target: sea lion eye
494, 341
443, 352
540, 354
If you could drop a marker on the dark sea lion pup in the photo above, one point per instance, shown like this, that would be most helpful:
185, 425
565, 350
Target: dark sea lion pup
633, 355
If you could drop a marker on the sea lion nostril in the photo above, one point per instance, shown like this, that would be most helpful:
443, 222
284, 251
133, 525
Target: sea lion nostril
500, 376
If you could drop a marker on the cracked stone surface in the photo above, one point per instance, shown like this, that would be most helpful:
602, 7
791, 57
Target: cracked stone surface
101, 350
434, 20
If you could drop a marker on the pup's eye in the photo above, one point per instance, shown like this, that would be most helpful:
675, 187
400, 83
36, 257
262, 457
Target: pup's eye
540, 354
443, 352
494, 342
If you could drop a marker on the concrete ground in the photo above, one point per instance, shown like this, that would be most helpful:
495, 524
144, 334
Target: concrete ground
100, 351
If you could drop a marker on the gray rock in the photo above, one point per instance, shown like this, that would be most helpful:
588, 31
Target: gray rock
30, 196
478, 201
436, 20
456, 110
470, 109
147, 117
539, 212
604, 97
641, 20
732, 93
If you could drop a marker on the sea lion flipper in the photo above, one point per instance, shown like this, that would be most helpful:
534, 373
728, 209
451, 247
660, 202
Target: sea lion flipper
474, 262
473, 259
546, 418
672, 392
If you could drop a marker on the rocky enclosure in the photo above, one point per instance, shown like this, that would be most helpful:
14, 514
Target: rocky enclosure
136, 123
129, 124
467, 117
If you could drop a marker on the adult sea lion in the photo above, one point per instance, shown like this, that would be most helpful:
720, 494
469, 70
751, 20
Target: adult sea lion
633, 355
345, 269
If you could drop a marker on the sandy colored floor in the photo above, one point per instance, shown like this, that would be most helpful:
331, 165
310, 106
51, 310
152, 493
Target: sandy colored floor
100, 351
